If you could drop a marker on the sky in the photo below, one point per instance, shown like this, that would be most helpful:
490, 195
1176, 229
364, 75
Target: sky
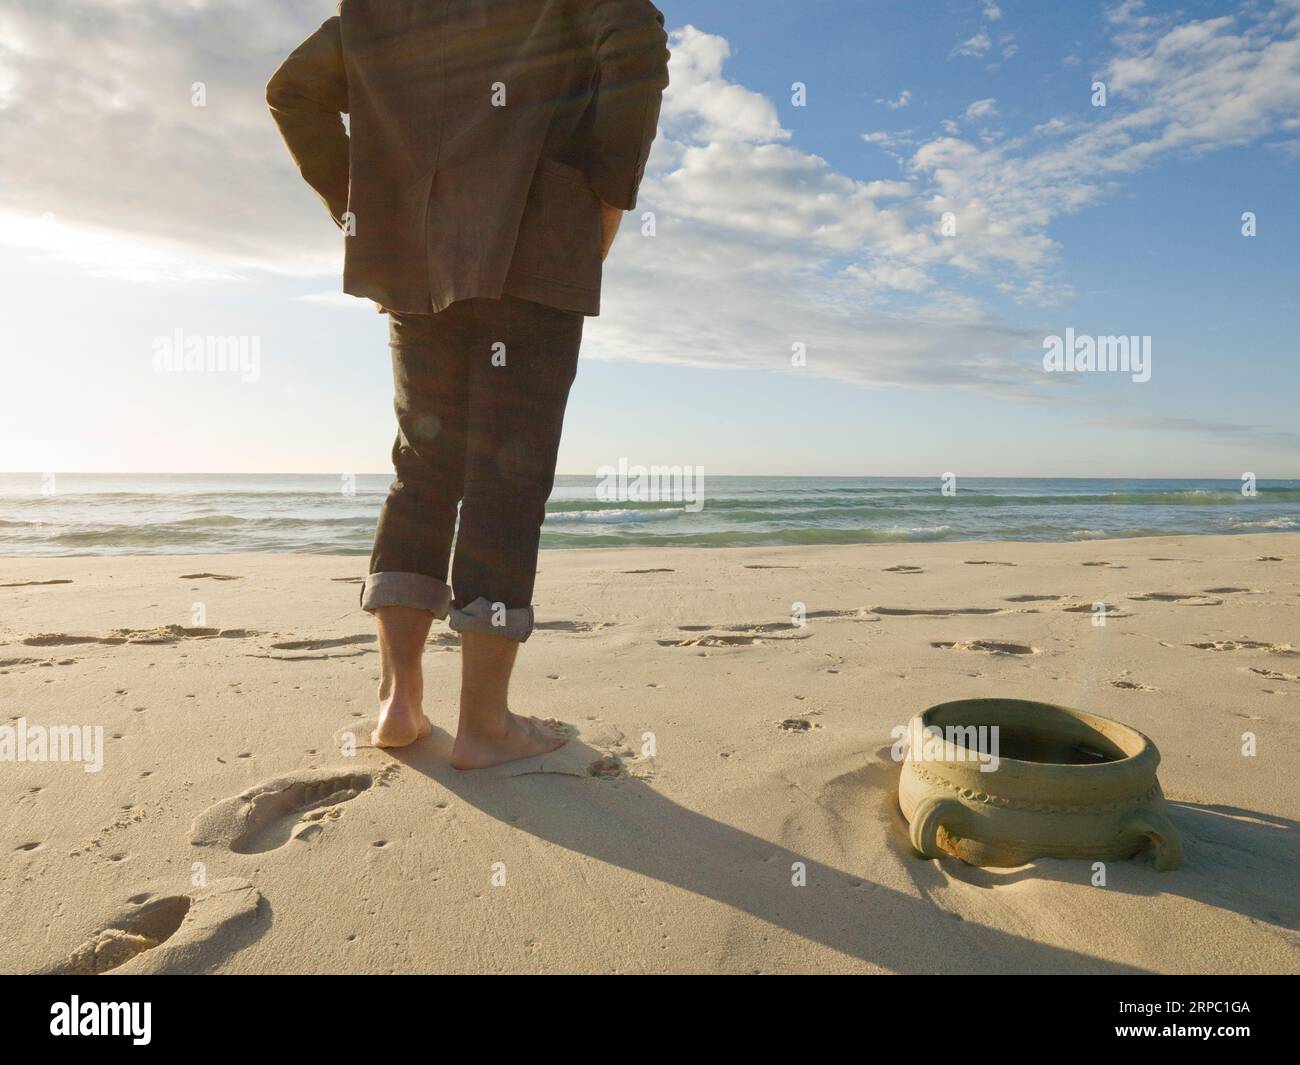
868, 217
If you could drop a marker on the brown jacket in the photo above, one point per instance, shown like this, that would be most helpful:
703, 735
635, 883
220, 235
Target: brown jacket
482, 135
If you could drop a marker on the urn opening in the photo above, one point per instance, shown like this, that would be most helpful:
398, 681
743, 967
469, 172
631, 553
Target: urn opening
1038, 733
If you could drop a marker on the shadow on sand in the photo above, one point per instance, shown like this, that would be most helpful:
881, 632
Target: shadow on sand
626, 823
1233, 859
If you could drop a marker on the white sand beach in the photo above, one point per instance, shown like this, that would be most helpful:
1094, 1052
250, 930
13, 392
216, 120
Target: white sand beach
232, 827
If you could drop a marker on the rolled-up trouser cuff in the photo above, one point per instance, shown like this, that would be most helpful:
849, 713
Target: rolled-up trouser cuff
493, 619
417, 590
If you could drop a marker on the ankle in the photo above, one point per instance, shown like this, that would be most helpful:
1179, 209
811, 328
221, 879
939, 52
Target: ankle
481, 726
408, 692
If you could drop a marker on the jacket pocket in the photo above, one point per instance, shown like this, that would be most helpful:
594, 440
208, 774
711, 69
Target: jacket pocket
558, 246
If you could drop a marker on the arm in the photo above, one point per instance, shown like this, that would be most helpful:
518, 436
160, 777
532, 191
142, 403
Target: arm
307, 97
631, 58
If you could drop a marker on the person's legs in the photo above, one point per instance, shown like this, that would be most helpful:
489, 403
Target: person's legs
488, 732
407, 587
402, 632
519, 381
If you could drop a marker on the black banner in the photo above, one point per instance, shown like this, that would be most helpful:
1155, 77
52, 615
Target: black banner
337, 1012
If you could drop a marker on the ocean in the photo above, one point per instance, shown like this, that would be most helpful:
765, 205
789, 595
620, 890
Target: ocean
111, 514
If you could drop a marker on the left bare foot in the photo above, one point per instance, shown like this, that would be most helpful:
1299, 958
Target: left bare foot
401, 721
402, 634
400, 730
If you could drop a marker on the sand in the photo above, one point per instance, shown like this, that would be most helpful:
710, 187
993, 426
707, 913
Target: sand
728, 803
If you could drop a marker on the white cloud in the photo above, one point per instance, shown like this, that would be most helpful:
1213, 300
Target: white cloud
975, 46
991, 11
106, 253
703, 104
760, 243
982, 109
98, 125
796, 253
892, 142
1188, 88
904, 98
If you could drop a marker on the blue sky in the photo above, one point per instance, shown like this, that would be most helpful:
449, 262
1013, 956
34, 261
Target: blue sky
126, 214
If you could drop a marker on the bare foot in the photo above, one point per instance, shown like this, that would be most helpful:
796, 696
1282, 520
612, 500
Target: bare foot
401, 722
524, 737
402, 634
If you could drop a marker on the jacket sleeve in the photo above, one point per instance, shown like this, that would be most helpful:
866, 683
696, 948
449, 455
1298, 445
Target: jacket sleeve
631, 59
308, 96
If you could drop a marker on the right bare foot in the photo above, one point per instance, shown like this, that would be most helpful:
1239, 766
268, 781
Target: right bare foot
524, 737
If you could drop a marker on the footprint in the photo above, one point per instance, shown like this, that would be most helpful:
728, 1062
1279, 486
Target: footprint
738, 635
1231, 591
321, 645
1183, 598
1132, 685
325, 644
208, 576
177, 933
937, 612
1242, 645
270, 814
109, 948
1269, 558
162, 634
714, 640
572, 626
770, 567
60, 639
986, 562
32, 584
796, 724
1111, 564
904, 569
1111, 610
992, 647
173, 634
634, 571
1034, 598
348, 580
1273, 674
840, 615
606, 768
